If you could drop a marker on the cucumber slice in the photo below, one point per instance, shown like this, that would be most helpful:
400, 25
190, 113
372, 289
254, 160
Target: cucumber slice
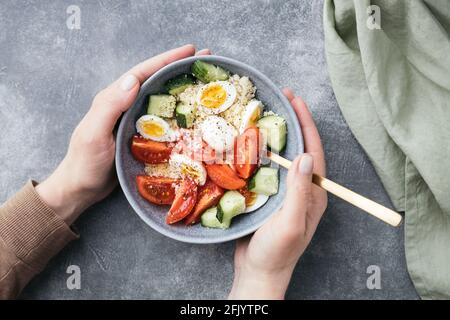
274, 130
162, 105
209, 219
206, 72
230, 205
185, 115
178, 84
265, 181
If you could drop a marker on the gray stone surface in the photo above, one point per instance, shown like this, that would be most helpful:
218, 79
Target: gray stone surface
48, 76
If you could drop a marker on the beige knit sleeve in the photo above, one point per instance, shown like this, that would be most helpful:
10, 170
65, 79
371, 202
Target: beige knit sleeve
30, 235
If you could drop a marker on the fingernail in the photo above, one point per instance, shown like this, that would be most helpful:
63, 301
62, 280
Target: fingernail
189, 45
288, 89
306, 164
128, 82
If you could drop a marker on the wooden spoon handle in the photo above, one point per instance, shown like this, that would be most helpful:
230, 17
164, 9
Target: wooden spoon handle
381, 212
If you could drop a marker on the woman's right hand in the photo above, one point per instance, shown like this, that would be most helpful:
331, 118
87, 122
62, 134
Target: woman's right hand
265, 261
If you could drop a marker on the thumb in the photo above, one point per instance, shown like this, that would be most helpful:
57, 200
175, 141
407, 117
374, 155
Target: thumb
111, 102
299, 188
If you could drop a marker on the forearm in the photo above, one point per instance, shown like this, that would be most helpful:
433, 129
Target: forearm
251, 285
56, 192
31, 233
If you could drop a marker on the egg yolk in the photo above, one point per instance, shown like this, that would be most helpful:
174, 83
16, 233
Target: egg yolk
153, 128
213, 97
250, 197
189, 171
255, 117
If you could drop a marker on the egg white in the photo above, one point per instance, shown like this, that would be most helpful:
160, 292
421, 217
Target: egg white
168, 133
254, 107
229, 100
218, 133
260, 200
179, 161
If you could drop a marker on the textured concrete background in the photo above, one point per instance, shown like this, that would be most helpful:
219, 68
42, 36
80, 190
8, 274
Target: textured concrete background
48, 76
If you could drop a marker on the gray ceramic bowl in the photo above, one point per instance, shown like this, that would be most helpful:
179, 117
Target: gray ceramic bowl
128, 168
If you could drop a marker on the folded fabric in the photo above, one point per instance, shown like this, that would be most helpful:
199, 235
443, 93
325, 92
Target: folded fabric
389, 64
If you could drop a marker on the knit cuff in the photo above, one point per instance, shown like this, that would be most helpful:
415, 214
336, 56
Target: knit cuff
31, 229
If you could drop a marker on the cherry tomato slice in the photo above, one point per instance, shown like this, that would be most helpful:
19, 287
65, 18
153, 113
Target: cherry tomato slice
247, 151
224, 176
208, 196
185, 200
158, 190
149, 151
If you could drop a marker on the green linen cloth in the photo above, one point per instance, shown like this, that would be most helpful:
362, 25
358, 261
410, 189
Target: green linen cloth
393, 87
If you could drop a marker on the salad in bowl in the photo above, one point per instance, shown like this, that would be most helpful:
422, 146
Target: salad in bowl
191, 151
201, 142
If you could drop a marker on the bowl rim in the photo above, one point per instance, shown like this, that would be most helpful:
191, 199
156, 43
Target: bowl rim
296, 131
